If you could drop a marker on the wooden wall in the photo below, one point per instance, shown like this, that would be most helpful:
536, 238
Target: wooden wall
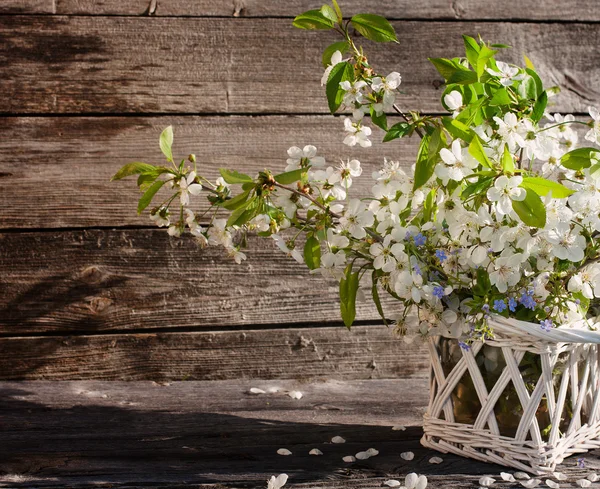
88, 289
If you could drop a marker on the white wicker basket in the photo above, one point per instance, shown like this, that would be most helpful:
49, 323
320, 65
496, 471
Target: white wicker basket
531, 449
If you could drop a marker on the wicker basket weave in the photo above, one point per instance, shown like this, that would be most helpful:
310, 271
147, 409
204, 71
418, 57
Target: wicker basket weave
530, 449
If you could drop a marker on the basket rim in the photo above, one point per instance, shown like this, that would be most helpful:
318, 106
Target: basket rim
577, 332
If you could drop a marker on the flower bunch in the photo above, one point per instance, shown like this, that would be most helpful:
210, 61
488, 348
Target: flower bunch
500, 213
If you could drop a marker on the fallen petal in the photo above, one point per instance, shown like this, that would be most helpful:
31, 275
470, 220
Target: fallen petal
371, 452
559, 476
295, 394
399, 428
277, 482
392, 483
521, 475
315, 451
411, 480
552, 484
283, 451
486, 481
592, 477
436, 460
256, 390
421, 482
407, 455
349, 458
583, 483
362, 456
507, 477
531, 483
338, 439
273, 390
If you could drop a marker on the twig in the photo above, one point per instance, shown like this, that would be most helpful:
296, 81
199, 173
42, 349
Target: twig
405, 117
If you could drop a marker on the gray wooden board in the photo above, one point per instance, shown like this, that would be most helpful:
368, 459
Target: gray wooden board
393, 9
143, 434
55, 172
90, 64
274, 353
97, 280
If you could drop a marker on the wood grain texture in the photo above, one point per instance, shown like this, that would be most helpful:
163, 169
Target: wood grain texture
584, 10
58, 64
55, 172
294, 353
99, 280
142, 434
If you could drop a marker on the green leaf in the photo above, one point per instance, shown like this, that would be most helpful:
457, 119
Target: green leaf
527, 88
457, 129
242, 214
543, 187
338, 11
312, 253
531, 210
341, 46
580, 158
374, 27
539, 107
500, 46
132, 169
335, 95
476, 150
472, 50
329, 13
237, 201
584, 303
508, 162
149, 195
478, 187
539, 86
485, 54
290, 176
376, 300
423, 168
528, 63
446, 67
348, 290
233, 177
500, 97
463, 77
483, 285
313, 19
166, 141
398, 130
379, 120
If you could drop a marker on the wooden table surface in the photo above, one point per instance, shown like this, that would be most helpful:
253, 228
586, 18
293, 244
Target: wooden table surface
147, 434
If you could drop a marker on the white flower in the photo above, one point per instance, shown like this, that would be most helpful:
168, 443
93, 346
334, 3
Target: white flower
345, 172
458, 163
507, 74
262, 223
236, 254
336, 241
160, 217
288, 248
353, 91
336, 58
593, 134
386, 253
332, 265
388, 84
187, 187
505, 191
454, 102
506, 271
356, 218
218, 234
195, 228
510, 130
359, 134
277, 482
174, 230
568, 243
300, 158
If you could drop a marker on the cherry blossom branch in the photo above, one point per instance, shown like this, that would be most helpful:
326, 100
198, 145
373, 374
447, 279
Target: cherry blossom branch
405, 117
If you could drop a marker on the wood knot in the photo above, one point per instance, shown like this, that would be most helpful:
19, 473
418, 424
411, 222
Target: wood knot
91, 275
99, 304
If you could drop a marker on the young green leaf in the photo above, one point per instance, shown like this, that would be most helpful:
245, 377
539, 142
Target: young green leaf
149, 195
132, 169
531, 210
237, 201
463, 77
398, 130
478, 187
290, 176
338, 11
539, 107
166, 142
500, 97
341, 46
476, 150
242, 214
539, 86
425, 165
329, 13
376, 300
508, 162
312, 253
233, 177
543, 187
379, 120
485, 54
457, 129
446, 67
580, 158
348, 290
313, 19
472, 50
484, 284
374, 27
335, 95
528, 63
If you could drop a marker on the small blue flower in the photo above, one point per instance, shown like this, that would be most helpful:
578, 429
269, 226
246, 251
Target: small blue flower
441, 255
499, 305
417, 269
464, 346
527, 300
577, 301
512, 304
438, 291
420, 240
546, 324
581, 463
408, 235
485, 308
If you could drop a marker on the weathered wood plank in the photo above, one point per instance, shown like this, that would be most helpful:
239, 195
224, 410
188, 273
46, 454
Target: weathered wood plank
293, 353
584, 10
97, 280
59, 64
79, 155
142, 434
